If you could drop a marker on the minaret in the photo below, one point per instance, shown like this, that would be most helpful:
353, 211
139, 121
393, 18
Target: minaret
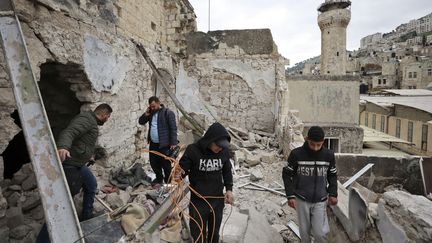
333, 19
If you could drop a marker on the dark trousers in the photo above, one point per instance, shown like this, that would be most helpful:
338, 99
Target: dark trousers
211, 219
77, 178
158, 163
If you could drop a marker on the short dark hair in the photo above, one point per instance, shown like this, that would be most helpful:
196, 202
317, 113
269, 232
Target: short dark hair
316, 134
154, 98
103, 108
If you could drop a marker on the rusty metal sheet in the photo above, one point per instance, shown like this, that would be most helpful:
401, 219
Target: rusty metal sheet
59, 210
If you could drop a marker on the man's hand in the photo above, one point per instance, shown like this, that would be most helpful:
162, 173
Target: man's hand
178, 174
332, 200
229, 197
63, 154
172, 147
292, 202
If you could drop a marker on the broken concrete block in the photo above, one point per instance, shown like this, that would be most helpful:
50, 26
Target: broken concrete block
235, 227
186, 137
253, 160
406, 214
3, 206
351, 211
20, 232
15, 188
373, 210
259, 230
252, 138
116, 200
256, 175
390, 231
279, 227
368, 195
19, 177
29, 183
14, 217
13, 199
4, 234
268, 157
30, 200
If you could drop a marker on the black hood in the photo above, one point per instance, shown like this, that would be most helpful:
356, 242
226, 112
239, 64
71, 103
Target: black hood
214, 133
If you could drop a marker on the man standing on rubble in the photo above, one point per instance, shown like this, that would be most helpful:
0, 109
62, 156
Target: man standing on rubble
76, 146
162, 136
310, 168
209, 169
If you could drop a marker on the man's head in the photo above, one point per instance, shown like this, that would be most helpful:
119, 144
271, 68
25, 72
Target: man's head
219, 145
315, 138
103, 112
154, 103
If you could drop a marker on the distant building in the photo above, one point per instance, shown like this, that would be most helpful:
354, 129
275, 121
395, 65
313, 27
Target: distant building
416, 73
405, 114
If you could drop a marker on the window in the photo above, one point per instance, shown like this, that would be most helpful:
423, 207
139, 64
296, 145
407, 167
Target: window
153, 26
384, 81
430, 72
410, 75
379, 81
332, 144
337, 53
410, 132
382, 123
398, 125
424, 137
374, 121
366, 119
414, 74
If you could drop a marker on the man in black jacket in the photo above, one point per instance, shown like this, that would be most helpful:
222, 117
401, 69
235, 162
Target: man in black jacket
310, 168
209, 169
162, 136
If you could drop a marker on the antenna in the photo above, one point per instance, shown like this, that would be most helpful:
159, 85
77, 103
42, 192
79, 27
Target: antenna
209, 16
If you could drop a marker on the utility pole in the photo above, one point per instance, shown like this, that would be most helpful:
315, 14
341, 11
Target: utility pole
209, 16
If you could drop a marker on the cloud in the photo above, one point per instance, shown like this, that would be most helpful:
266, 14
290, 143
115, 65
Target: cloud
294, 23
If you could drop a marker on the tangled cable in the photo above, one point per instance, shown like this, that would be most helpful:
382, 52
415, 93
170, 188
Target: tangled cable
177, 194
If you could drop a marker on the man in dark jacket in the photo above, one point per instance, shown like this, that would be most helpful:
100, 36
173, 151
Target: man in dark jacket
209, 169
310, 168
76, 146
162, 136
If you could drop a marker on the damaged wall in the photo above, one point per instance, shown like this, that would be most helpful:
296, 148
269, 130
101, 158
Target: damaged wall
89, 44
331, 102
235, 76
387, 171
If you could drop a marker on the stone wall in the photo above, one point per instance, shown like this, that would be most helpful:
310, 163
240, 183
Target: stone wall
322, 99
386, 171
233, 77
87, 49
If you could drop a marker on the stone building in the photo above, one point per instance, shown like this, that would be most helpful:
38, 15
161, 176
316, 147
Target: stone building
330, 100
416, 73
405, 114
333, 20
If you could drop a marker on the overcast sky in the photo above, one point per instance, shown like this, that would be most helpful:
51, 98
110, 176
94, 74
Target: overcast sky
293, 23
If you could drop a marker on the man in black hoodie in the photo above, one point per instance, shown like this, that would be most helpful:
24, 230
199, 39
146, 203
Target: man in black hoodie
310, 168
209, 169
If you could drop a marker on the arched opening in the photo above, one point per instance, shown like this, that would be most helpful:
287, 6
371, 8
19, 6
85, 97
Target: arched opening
61, 103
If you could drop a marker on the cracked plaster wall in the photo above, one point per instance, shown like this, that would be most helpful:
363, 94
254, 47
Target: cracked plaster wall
239, 85
90, 36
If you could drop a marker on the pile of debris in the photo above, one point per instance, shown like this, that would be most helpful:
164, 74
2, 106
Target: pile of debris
21, 213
